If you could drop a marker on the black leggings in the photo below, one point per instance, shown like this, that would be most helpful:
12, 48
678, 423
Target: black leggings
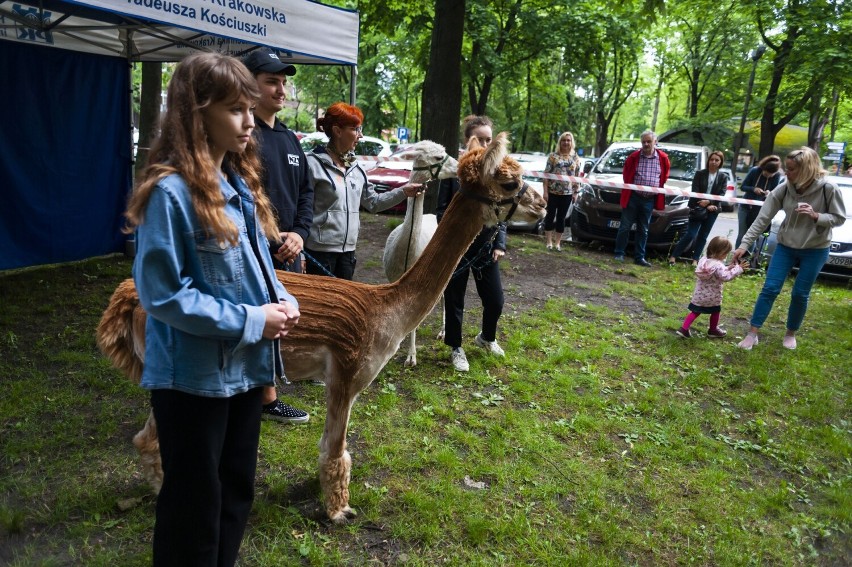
490, 290
338, 264
208, 448
557, 210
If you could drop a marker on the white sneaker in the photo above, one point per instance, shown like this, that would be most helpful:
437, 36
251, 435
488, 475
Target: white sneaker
460, 360
490, 346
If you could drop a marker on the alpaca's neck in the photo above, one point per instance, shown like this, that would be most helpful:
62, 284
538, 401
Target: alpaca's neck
421, 286
413, 223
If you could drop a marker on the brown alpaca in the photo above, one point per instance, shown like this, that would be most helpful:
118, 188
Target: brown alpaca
349, 330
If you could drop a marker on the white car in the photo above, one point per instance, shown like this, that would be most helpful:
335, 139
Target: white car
530, 162
839, 262
367, 146
731, 190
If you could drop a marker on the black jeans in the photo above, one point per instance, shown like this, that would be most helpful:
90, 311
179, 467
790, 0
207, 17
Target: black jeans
490, 290
339, 264
209, 453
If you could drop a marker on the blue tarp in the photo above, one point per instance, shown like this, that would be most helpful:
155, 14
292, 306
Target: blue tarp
65, 169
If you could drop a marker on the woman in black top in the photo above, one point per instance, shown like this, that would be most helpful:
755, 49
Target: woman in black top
481, 259
702, 212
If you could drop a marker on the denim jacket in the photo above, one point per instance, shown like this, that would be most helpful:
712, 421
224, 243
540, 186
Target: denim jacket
205, 322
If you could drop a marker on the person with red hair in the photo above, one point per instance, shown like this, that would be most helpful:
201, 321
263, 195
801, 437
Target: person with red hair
340, 190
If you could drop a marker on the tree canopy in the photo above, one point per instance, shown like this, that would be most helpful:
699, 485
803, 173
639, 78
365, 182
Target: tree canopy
605, 71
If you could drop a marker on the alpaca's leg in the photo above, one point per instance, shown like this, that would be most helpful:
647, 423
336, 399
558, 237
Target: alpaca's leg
335, 463
412, 349
148, 444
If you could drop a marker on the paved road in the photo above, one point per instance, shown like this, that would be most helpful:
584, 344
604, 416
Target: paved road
726, 225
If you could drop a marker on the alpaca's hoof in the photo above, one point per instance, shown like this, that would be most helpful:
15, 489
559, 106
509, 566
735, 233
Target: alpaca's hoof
411, 361
342, 516
440, 336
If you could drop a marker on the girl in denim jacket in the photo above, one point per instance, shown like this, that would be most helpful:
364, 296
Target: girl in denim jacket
215, 308
711, 274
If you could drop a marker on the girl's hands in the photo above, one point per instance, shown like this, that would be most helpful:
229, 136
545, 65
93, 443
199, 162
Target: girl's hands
496, 255
280, 318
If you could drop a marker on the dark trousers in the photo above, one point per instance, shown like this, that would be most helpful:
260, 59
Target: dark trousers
295, 266
209, 454
746, 216
490, 290
699, 230
338, 264
557, 210
638, 210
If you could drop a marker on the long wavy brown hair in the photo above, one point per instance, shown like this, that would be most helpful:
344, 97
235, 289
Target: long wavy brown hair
200, 80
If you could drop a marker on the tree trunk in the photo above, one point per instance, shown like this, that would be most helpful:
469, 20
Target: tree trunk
442, 88
149, 110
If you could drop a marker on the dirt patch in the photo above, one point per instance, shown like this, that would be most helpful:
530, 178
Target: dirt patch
528, 279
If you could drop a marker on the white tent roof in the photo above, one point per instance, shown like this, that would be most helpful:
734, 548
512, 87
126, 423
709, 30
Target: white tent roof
167, 30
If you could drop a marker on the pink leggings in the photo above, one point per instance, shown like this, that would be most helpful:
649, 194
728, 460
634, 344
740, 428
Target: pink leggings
714, 319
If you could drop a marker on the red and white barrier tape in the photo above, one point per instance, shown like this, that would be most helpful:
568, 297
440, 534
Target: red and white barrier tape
645, 188
612, 184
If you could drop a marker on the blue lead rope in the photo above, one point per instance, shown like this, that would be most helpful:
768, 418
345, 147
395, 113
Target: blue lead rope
317, 263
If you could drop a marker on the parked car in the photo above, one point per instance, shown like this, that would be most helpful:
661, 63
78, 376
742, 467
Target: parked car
388, 175
597, 211
531, 162
731, 190
367, 146
839, 262
588, 164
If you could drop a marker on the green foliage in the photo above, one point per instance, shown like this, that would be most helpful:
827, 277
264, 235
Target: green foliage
641, 447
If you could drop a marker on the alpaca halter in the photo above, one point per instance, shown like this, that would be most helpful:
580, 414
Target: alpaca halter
434, 169
514, 200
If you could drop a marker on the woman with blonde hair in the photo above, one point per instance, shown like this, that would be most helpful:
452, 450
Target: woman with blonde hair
215, 309
560, 194
813, 206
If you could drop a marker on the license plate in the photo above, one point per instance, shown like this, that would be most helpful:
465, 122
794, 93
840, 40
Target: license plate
839, 261
617, 223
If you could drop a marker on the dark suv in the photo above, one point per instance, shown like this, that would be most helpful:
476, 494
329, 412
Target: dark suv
597, 211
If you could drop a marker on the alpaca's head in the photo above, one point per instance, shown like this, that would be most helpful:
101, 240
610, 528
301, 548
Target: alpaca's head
430, 162
495, 179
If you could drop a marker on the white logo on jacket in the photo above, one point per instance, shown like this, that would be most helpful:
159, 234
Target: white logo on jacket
293, 159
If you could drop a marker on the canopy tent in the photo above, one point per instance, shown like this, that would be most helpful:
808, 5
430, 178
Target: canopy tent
65, 158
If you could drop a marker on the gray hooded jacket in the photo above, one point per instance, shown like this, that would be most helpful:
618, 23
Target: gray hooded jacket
338, 195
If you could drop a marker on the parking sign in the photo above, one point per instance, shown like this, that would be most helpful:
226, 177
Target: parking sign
402, 134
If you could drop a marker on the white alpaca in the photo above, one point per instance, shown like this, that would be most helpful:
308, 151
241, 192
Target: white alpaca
407, 241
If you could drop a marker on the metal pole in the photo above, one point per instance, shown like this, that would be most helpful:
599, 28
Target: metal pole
352, 77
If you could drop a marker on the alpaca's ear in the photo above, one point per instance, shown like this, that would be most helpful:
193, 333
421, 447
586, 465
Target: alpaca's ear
494, 155
473, 143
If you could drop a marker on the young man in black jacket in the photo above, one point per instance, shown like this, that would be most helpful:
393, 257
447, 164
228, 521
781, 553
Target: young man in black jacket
286, 182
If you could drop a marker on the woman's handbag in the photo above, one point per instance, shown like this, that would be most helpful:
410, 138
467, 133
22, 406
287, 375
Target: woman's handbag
697, 213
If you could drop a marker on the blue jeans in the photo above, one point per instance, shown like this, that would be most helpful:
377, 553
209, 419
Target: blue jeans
811, 261
638, 210
699, 231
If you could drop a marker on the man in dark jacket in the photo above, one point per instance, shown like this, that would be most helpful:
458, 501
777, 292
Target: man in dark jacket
287, 183
648, 166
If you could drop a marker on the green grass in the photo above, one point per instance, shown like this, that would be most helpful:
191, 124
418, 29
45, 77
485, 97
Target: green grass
602, 439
